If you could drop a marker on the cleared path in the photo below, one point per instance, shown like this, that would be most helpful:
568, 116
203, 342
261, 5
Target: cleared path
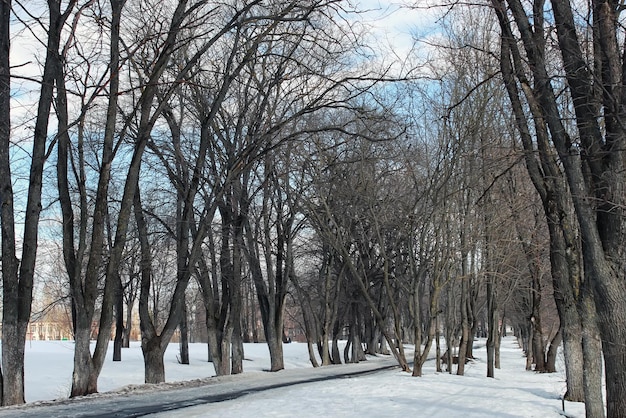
146, 400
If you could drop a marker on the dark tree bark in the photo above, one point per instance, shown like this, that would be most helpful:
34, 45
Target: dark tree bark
130, 297
184, 336
9, 261
17, 276
492, 326
335, 356
538, 346
118, 340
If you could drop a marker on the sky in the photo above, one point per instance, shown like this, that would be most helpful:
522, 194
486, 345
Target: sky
514, 392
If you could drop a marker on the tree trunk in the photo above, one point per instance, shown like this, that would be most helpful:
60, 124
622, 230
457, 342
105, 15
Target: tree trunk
154, 366
492, 325
592, 354
84, 282
184, 336
225, 354
450, 340
215, 353
573, 357
154, 343
438, 348
465, 327
129, 324
119, 323
538, 346
349, 341
501, 333
7, 216
529, 348
81, 383
328, 317
552, 352
331, 310
311, 334
358, 354
270, 298
594, 400
310, 323
336, 357
237, 348
13, 365
311, 351
275, 345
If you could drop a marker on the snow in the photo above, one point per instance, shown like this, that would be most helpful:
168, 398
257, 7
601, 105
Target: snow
514, 392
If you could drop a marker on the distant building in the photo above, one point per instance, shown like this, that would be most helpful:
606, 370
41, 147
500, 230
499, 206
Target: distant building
43, 330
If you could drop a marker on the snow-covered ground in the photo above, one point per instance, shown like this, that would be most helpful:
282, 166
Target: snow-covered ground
514, 392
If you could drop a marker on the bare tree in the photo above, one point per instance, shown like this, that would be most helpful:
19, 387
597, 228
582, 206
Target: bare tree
9, 262
558, 164
18, 274
347, 212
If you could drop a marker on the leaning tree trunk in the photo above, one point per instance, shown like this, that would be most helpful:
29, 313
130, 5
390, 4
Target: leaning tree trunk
552, 352
311, 333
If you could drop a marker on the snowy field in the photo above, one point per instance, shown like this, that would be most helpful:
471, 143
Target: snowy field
514, 392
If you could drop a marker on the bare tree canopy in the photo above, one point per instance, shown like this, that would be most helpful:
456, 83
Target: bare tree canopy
246, 170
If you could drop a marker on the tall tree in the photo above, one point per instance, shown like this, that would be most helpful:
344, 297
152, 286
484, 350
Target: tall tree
591, 153
18, 275
6, 185
84, 275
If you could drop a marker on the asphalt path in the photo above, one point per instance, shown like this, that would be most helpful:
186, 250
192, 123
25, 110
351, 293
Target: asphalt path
145, 400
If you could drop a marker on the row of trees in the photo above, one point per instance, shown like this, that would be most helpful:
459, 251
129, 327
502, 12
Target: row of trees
209, 152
